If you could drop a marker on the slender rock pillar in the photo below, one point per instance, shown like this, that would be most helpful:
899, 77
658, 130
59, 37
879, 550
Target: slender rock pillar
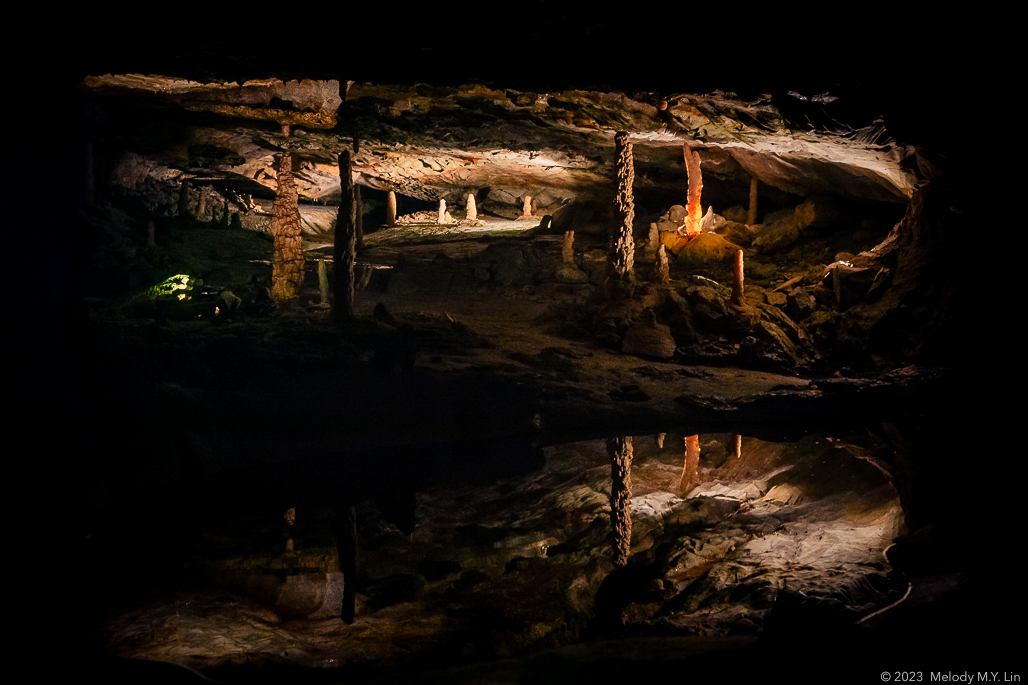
621, 252
737, 452
471, 210
567, 248
737, 277
620, 451
442, 212
526, 209
391, 209
345, 252
287, 260
751, 215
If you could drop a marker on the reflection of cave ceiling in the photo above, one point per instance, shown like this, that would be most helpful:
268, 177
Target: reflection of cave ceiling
441, 142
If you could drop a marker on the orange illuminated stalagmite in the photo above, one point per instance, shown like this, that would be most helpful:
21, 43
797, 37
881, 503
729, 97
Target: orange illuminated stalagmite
694, 212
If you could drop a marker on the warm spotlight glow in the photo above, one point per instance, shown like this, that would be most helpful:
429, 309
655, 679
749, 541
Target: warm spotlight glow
693, 219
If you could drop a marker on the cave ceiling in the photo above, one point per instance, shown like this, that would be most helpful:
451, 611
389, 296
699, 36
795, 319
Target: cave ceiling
442, 142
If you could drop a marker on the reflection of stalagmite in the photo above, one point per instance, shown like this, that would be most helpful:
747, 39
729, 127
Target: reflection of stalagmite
621, 251
288, 259
345, 243
751, 215
738, 446
692, 463
391, 209
470, 209
620, 451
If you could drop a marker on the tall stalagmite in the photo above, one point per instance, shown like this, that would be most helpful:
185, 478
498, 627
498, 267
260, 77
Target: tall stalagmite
737, 280
471, 209
345, 252
693, 210
287, 260
621, 252
620, 451
692, 463
391, 209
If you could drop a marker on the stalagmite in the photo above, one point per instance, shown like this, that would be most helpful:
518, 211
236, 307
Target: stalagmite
692, 463
751, 215
183, 200
89, 191
470, 210
654, 241
323, 280
442, 212
526, 210
694, 212
661, 269
567, 248
660, 440
345, 252
201, 205
391, 209
346, 553
620, 451
738, 447
621, 252
358, 208
737, 275
287, 259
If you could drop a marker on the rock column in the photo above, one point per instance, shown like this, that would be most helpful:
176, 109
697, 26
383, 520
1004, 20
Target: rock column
621, 252
442, 212
471, 210
345, 252
694, 210
620, 451
288, 259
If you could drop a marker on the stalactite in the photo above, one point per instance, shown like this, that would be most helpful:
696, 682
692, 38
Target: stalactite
345, 252
692, 463
567, 248
751, 215
620, 452
470, 210
442, 212
621, 251
694, 212
391, 209
737, 278
661, 269
287, 259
